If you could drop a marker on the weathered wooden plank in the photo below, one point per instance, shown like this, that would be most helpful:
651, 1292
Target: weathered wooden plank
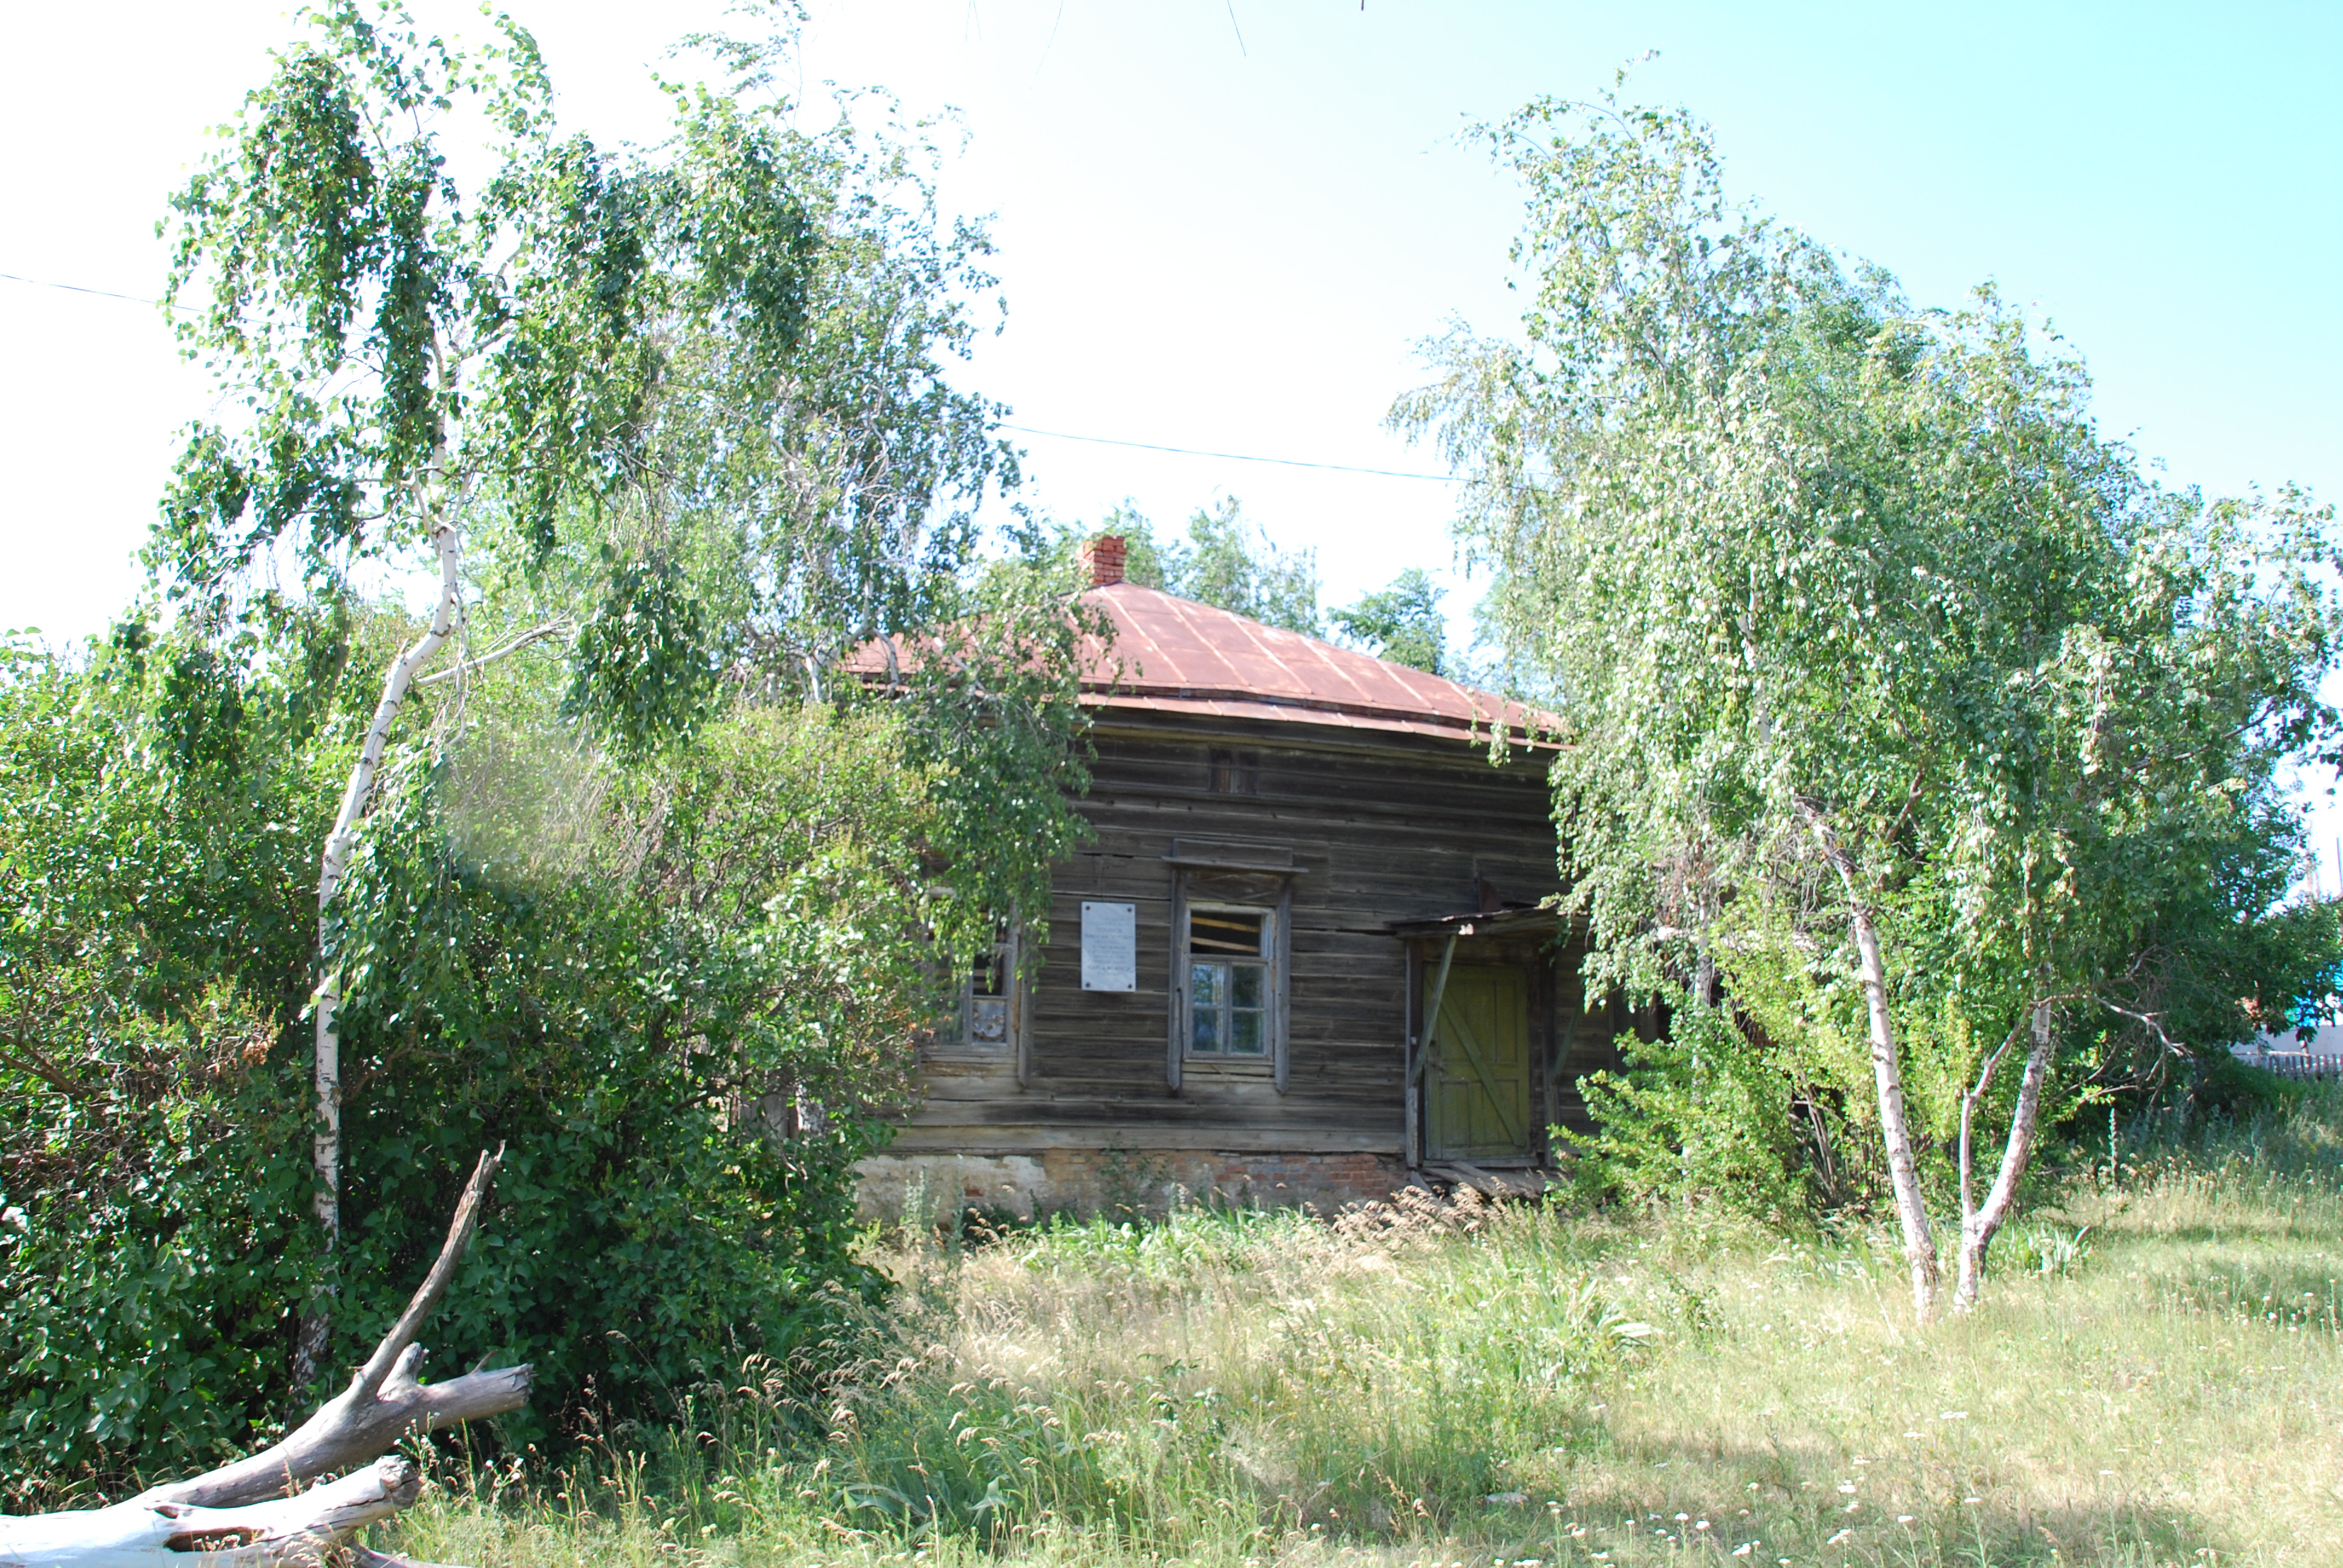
1137, 1136
1379, 828
1321, 792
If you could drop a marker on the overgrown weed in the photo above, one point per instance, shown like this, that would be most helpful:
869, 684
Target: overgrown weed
2151, 1382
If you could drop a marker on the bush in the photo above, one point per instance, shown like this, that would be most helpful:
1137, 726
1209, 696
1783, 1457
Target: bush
1704, 1112
2218, 1084
144, 1308
680, 993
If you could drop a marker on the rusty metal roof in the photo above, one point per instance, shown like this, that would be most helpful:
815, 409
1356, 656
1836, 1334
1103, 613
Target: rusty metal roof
1174, 655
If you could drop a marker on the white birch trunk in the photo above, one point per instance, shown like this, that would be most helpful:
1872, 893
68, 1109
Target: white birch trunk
1979, 1225
357, 796
1887, 1078
1895, 1128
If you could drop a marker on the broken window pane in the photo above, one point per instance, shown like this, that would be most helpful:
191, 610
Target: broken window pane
1227, 931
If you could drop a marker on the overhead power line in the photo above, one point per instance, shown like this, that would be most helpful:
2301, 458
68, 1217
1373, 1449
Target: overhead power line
1231, 457
76, 288
1020, 429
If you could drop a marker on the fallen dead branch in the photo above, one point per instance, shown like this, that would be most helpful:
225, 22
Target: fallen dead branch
252, 1512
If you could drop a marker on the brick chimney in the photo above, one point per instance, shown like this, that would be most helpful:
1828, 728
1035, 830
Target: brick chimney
1102, 559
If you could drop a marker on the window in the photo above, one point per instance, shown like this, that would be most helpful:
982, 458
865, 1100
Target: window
984, 1001
1231, 993
1236, 773
981, 1014
1231, 933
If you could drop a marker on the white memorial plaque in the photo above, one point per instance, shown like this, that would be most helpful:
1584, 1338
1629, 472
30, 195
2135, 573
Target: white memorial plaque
1110, 947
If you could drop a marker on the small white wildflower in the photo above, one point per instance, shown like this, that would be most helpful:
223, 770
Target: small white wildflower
1839, 1537
1702, 1524
1847, 1486
1972, 1500
1954, 1415
1744, 1549
1904, 1518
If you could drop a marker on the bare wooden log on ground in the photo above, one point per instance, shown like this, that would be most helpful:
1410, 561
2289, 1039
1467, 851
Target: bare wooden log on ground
252, 1512
301, 1529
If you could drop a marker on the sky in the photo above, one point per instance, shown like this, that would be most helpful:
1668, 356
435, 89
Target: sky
1226, 225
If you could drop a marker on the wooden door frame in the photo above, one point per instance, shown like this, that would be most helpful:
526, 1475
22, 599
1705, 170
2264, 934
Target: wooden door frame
1540, 969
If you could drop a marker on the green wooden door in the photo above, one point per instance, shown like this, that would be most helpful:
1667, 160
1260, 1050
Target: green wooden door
1477, 1084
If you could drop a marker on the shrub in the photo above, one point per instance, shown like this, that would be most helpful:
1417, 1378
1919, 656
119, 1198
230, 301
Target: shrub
2218, 1084
1703, 1112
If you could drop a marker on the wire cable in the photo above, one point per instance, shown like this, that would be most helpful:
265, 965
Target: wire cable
1230, 456
1020, 429
77, 288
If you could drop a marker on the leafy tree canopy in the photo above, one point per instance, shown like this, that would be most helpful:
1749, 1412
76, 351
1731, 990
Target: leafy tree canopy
622, 865
1401, 622
1901, 700
1222, 561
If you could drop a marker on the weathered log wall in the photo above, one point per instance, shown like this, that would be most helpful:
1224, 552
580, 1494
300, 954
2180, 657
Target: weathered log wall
1379, 826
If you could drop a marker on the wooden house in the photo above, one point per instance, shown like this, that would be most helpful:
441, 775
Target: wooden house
1301, 853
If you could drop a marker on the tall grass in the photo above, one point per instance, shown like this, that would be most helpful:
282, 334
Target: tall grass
1225, 1374
2153, 1381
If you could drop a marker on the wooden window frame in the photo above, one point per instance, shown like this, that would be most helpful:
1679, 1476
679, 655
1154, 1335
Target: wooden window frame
1266, 960
1012, 1049
1193, 890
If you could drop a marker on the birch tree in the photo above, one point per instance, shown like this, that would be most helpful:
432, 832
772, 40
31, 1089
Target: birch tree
579, 336
1886, 673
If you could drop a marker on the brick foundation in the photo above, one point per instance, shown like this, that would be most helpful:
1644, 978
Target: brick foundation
1086, 1180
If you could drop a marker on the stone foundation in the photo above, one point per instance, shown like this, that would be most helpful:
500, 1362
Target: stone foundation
1086, 1180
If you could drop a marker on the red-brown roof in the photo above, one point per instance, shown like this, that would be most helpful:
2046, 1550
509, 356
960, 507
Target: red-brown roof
1175, 655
